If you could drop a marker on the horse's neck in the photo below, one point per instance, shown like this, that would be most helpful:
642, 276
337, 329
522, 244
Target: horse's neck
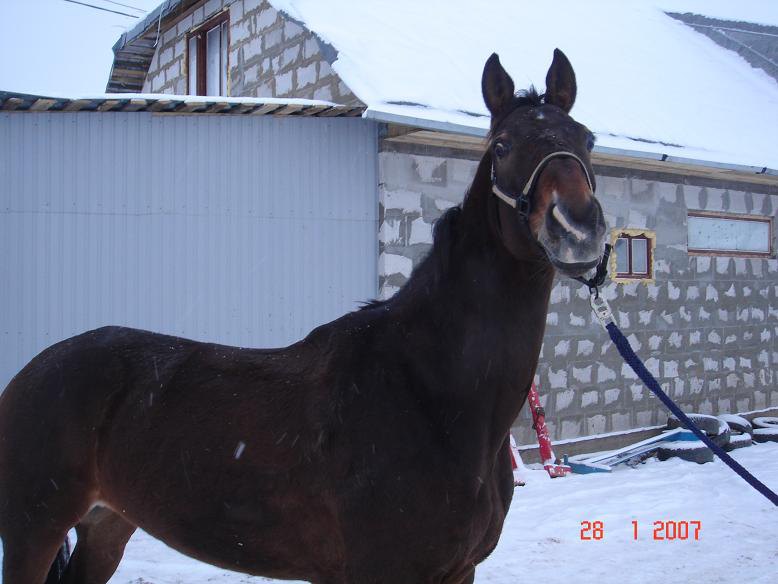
475, 333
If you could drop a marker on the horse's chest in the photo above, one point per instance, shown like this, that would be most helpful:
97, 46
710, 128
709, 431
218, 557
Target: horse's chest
447, 524
483, 521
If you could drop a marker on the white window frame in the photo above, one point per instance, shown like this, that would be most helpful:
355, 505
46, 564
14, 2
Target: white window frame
723, 251
631, 235
199, 75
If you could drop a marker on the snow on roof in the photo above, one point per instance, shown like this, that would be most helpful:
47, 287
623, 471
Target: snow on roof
646, 82
201, 99
762, 12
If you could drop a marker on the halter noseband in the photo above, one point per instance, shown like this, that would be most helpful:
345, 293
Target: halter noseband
522, 202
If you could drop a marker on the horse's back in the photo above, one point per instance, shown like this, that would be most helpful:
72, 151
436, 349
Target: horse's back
76, 376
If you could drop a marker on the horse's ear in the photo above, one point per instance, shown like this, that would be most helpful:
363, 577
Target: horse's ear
497, 86
560, 82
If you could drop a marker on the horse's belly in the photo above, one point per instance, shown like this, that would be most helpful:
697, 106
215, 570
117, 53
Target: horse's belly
258, 551
241, 512
264, 538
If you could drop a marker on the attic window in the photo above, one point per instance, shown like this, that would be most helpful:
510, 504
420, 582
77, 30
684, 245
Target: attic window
208, 47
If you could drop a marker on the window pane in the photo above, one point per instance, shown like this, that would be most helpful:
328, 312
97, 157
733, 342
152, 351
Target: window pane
622, 256
223, 63
640, 256
193, 66
722, 234
213, 58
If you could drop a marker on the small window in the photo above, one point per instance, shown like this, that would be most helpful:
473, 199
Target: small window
715, 234
208, 47
633, 251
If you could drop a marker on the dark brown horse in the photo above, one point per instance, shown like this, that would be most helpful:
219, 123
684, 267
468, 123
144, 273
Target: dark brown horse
373, 451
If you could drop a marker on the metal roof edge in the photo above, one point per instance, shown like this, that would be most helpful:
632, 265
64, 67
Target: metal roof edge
162, 10
744, 168
128, 53
462, 129
422, 123
174, 104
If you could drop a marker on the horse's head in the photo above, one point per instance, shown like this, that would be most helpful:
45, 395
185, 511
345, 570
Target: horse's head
541, 169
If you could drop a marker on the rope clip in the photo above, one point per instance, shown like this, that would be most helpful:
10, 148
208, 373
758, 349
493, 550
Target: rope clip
600, 307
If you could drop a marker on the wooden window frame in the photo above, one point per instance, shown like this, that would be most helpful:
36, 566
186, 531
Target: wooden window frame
732, 253
632, 275
200, 33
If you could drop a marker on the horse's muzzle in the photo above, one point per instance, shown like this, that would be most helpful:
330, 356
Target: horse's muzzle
576, 269
573, 244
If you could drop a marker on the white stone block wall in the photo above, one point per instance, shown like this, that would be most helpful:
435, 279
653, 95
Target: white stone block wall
270, 55
168, 70
707, 326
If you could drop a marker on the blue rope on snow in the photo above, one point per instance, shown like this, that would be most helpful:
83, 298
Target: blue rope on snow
622, 344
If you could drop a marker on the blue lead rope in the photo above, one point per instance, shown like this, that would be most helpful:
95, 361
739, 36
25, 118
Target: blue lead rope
622, 344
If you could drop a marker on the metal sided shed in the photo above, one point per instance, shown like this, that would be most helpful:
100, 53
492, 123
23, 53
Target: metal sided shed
247, 229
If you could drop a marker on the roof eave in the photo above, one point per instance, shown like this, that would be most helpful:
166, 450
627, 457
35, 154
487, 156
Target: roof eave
669, 161
132, 56
174, 104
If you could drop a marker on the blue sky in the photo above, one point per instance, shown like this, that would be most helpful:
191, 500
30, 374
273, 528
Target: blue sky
60, 48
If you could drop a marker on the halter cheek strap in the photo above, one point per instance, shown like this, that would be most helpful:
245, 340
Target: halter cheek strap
521, 202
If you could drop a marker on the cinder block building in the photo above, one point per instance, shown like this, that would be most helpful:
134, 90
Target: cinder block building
685, 163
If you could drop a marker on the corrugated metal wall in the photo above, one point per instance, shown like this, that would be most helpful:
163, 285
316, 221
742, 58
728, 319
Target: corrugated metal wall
240, 230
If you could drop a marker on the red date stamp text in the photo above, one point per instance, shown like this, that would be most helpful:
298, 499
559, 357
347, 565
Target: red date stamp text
661, 531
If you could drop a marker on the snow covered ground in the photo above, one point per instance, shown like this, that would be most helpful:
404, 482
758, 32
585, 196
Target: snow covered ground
738, 540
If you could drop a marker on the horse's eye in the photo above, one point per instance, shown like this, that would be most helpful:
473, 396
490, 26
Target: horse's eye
501, 149
590, 141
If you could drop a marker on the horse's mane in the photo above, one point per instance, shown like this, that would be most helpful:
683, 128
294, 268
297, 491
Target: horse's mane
522, 98
445, 234
368, 304
437, 261
527, 97
444, 237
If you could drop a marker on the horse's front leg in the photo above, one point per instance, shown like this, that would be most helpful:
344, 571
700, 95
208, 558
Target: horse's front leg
461, 578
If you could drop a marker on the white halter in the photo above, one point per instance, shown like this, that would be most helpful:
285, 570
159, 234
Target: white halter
522, 201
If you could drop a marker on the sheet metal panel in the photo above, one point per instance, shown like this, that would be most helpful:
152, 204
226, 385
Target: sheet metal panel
240, 230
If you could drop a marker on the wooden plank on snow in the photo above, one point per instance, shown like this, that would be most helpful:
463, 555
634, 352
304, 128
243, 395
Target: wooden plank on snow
108, 105
159, 105
266, 109
288, 110
135, 105
12, 103
243, 108
191, 106
314, 110
334, 111
43, 104
77, 105
217, 107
